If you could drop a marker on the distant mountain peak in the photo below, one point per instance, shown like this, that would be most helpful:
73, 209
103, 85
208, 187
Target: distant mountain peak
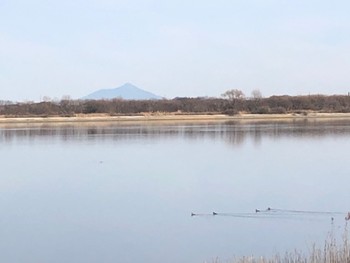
127, 91
128, 86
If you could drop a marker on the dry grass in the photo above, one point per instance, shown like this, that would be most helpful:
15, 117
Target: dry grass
79, 118
331, 252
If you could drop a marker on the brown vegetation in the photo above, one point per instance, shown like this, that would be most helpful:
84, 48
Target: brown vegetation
230, 106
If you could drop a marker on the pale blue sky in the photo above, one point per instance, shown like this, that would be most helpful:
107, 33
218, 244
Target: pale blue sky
173, 48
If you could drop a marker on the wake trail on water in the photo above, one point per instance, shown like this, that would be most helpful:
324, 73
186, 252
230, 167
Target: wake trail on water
278, 213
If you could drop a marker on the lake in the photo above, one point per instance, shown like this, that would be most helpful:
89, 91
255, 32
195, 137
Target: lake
114, 192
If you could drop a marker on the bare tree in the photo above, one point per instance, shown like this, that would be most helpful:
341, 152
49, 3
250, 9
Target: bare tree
46, 99
233, 94
66, 97
235, 99
256, 94
5, 102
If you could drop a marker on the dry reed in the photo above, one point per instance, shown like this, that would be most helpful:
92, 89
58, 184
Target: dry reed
332, 252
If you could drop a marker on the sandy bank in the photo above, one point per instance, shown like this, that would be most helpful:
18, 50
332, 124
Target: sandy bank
172, 117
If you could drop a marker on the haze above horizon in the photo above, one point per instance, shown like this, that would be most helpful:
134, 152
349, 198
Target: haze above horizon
173, 48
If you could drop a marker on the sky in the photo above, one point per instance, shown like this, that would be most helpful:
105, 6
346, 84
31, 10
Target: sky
173, 48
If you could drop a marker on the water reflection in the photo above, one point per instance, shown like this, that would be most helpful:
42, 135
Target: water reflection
234, 133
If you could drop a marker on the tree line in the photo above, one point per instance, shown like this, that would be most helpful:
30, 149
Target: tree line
232, 102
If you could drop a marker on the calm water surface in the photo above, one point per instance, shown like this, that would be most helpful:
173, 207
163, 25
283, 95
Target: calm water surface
125, 193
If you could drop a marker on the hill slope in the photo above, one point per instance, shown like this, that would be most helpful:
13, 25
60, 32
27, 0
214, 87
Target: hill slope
126, 91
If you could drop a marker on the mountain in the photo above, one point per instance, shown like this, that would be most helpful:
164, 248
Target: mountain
126, 91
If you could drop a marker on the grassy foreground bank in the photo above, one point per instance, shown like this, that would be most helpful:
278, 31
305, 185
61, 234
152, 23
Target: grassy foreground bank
171, 117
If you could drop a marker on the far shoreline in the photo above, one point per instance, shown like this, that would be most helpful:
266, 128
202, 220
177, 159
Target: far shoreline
148, 117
